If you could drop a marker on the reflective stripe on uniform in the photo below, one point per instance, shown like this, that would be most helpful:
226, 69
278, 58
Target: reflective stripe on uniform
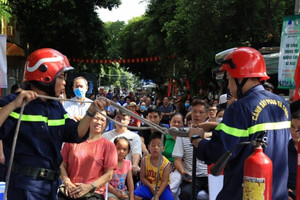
40, 118
253, 129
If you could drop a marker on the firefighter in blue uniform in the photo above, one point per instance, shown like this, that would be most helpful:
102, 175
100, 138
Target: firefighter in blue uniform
255, 110
44, 127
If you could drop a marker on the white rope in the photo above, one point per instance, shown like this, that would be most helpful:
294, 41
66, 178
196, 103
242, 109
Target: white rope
162, 130
13, 149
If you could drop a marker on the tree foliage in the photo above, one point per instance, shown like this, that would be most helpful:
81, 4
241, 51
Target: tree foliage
5, 10
69, 26
185, 34
195, 30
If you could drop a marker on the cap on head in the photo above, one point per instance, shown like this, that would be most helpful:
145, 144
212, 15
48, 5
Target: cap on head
43, 65
245, 62
132, 104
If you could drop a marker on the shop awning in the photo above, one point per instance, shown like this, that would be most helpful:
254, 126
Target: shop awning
14, 50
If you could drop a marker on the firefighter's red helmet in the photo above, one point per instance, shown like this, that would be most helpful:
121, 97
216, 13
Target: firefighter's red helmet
245, 62
43, 65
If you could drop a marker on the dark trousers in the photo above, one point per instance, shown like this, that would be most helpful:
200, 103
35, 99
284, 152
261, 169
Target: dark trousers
2, 173
186, 188
95, 196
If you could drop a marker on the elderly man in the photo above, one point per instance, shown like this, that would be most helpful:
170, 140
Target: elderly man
76, 110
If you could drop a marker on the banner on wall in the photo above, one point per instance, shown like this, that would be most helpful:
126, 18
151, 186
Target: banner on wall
289, 51
3, 62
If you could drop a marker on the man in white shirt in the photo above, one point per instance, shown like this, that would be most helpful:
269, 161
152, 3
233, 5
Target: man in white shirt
135, 141
77, 110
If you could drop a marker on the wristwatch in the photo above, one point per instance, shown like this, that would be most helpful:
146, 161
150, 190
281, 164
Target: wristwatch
194, 137
93, 185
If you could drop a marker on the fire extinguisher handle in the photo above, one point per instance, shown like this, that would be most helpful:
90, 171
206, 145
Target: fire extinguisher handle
217, 168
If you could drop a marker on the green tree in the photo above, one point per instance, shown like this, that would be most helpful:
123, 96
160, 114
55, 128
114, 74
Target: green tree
5, 10
196, 30
69, 26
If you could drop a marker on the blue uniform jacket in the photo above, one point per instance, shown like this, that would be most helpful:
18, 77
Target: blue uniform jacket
257, 110
43, 129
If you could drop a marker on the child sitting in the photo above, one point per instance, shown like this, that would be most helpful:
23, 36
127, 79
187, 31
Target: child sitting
117, 189
148, 173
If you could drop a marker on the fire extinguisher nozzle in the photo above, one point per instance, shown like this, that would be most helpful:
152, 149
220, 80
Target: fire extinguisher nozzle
220, 164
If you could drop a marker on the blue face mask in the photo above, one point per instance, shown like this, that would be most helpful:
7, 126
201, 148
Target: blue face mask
186, 105
79, 92
143, 107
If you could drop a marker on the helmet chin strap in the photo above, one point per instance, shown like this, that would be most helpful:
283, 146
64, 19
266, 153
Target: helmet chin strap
49, 89
240, 86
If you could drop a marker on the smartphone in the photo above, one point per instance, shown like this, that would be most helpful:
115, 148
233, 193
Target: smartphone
186, 177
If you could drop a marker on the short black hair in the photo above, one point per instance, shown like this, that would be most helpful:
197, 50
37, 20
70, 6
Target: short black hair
295, 106
201, 102
175, 114
151, 110
296, 115
157, 135
121, 112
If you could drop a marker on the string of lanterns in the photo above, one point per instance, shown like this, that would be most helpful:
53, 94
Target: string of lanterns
120, 61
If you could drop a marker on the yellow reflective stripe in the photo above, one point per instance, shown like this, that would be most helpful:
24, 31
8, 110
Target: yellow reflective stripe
253, 129
40, 118
57, 122
29, 118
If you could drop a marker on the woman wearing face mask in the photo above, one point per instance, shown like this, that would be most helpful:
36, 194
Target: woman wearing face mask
77, 110
143, 110
220, 114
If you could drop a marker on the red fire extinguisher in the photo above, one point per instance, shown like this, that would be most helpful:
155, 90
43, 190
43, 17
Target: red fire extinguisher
258, 170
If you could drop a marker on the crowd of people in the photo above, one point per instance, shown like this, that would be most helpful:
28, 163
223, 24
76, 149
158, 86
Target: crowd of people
71, 147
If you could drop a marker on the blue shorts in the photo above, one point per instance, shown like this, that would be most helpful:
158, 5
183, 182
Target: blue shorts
144, 192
